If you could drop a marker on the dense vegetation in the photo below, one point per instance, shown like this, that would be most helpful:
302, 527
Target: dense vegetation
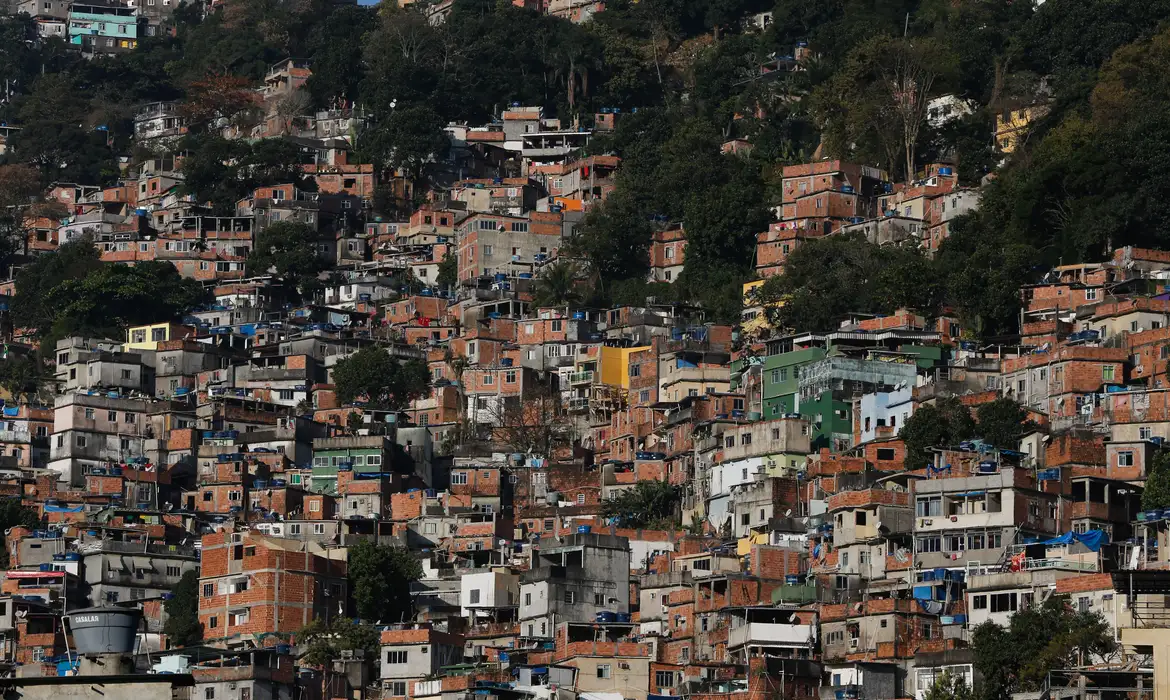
1083, 181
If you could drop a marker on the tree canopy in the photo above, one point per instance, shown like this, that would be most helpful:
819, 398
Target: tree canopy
648, 504
383, 382
380, 578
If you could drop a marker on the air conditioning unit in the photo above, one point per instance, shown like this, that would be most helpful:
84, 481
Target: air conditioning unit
231, 686
623, 665
853, 642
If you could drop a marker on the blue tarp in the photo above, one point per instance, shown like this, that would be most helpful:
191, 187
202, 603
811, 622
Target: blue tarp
64, 509
1093, 539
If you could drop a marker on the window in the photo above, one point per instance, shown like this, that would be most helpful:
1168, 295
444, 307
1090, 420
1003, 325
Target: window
398, 688
209, 693
557, 326
1107, 373
664, 679
174, 571
528, 601
580, 499
1125, 458
487, 251
89, 414
397, 657
458, 478
548, 524
1090, 295
859, 517
745, 439
208, 590
510, 377
286, 394
212, 622
570, 597
489, 379
1003, 602
1144, 433
318, 528
885, 453
474, 596
929, 507
979, 602
929, 544
599, 599
603, 671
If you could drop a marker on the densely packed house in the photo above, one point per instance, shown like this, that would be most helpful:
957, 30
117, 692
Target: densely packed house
809, 553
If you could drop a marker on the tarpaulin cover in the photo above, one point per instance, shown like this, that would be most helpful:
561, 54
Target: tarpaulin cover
1093, 539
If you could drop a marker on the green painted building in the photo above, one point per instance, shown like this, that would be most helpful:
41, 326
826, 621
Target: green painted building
364, 454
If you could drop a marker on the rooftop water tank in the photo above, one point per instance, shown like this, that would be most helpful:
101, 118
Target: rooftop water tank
104, 630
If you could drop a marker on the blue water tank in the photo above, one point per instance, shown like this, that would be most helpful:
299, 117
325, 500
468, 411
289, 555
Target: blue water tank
585, 530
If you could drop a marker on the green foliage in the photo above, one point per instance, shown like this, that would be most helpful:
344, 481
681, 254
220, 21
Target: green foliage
556, 285
826, 279
1038, 639
380, 578
14, 514
407, 140
182, 626
448, 270
113, 297
1003, 422
945, 423
288, 249
648, 504
70, 292
323, 643
222, 171
382, 382
1157, 489
22, 376
34, 282
950, 686
60, 136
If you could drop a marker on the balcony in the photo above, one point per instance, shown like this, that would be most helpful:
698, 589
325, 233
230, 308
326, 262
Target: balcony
20, 436
585, 377
579, 403
770, 634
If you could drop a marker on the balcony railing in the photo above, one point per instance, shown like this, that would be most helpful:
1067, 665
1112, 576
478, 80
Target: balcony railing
585, 377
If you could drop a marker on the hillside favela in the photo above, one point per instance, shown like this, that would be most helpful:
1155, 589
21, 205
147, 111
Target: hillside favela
584, 350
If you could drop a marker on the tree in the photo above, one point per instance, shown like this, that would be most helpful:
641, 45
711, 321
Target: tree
408, 139
943, 424
1002, 422
382, 382
1037, 639
534, 424
14, 514
448, 275
59, 138
878, 101
556, 285
182, 626
34, 282
380, 578
824, 280
21, 376
112, 298
322, 643
649, 504
215, 97
1157, 490
288, 249
950, 686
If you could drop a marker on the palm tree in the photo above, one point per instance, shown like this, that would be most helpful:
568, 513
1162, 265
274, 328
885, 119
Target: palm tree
556, 285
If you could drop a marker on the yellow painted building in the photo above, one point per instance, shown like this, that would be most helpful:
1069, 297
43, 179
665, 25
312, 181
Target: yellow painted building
148, 337
614, 365
1012, 126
